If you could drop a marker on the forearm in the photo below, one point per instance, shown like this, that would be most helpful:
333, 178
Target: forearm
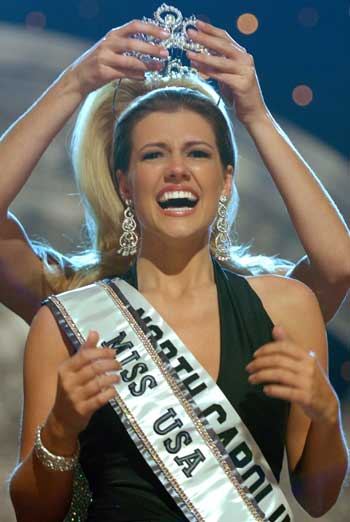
316, 219
23, 144
318, 478
38, 493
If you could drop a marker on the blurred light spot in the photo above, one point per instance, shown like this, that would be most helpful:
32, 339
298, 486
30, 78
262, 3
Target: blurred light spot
345, 371
35, 20
88, 9
308, 16
302, 95
247, 23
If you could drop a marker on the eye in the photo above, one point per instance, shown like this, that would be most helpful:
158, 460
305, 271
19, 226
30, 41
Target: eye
151, 155
199, 153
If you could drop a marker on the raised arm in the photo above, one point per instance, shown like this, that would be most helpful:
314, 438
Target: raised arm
318, 223
22, 285
316, 219
22, 281
23, 144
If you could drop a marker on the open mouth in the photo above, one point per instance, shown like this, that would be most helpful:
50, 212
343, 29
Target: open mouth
177, 200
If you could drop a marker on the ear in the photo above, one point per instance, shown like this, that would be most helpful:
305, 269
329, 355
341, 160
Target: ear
123, 185
228, 181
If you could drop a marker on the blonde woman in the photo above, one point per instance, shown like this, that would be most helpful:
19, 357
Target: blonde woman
322, 232
164, 144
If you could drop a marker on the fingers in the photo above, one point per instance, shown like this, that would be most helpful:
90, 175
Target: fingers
220, 43
286, 393
96, 368
98, 385
88, 407
136, 45
284, 348
137, 26
217, 62
273, 361
85, 382
279, 334
91, 340
288, 372
91, 363
88, 353
230, 64
120, 39
130, 66
276, 375
276, 364
217, 32
111, 59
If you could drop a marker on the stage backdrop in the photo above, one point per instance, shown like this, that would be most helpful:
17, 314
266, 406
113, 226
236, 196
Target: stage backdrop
49, 209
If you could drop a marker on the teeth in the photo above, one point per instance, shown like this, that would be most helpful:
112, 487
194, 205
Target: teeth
177, 194
180, 209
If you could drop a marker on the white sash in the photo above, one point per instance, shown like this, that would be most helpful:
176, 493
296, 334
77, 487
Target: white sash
169, 425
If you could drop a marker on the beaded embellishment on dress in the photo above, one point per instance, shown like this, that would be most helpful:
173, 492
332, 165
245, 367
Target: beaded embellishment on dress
81, 498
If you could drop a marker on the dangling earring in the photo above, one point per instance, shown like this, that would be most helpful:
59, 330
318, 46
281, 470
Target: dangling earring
129, 239
223, 242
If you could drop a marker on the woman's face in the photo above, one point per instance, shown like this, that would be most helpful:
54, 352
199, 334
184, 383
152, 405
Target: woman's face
175, 175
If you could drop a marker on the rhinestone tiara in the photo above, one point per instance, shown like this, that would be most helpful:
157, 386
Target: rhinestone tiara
170, 18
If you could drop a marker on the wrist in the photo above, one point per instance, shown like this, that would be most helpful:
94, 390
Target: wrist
68, 85
57, 439
331, 415
259, 121
53, 461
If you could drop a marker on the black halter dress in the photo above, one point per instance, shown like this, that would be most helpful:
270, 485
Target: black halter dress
123, 486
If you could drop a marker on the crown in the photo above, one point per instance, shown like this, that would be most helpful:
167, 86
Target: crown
170, 18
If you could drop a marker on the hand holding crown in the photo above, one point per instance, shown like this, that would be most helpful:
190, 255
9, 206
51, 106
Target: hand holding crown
117, 56
232, 67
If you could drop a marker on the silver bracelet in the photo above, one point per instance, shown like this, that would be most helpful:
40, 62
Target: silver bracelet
51, 461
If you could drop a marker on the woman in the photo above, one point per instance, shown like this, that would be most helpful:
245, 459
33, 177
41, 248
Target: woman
176, 274
323, 233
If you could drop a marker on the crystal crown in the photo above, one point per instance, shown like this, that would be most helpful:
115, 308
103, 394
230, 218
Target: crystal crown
170, 18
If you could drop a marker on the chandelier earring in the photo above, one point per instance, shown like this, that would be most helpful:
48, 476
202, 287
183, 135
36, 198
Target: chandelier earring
223, 241
129, 239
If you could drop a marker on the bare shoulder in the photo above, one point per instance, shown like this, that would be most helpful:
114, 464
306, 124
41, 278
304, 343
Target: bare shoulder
282, 288
46, 340
289, 303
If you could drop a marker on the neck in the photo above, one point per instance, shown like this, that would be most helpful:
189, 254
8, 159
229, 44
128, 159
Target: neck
174, 272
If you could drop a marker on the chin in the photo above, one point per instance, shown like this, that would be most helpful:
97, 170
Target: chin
176, 236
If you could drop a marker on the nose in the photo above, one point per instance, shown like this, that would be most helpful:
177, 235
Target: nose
177, 169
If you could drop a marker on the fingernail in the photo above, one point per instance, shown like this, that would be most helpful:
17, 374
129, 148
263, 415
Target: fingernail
164, 53
165, 33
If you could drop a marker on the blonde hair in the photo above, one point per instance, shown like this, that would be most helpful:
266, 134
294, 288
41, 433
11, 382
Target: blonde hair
93, 162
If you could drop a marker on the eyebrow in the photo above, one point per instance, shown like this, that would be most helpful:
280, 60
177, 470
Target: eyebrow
164, 145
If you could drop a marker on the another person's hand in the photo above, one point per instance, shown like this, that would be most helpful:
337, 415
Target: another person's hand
291, 373
232, 67
106, 61
83, 386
